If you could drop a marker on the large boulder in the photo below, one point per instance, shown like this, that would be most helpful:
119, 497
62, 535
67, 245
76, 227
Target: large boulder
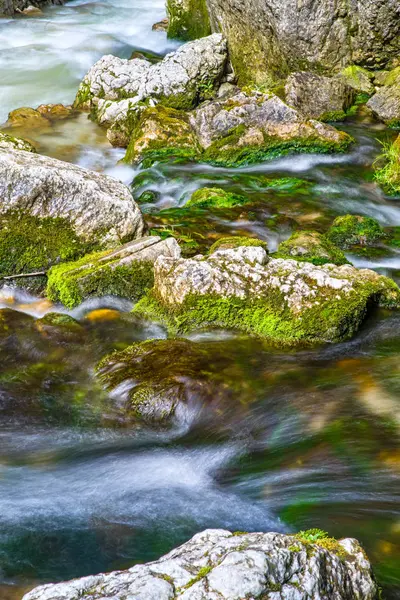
251, 126
52, 211
188, 19
319, 97
385, 104
269, 38
285, 301
126, 272
116, 90
218, 564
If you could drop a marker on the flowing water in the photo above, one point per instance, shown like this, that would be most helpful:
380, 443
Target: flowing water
303, 439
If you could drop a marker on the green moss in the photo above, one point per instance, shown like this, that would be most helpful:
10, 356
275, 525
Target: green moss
71, 283
226, 243
188, 20
355, 230
321, 539
83, 97
203, 572
333, 116
215, 198
387, 172
29, 243
310, 246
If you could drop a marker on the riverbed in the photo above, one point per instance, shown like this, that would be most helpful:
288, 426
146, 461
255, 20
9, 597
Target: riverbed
309, 439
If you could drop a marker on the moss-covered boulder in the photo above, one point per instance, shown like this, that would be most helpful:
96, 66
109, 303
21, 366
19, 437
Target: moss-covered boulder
385, 104
228, 243
285, 301
188, 19
9, 142
359, 79
215, 198
252, 126
355, 230
125, 272
27, 118
312, 247
387, 173
162, 133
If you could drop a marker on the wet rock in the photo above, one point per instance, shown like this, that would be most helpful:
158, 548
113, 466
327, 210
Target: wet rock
285, 301
118, 90
385, 104
55, 112
359, 79
10, 7
216, 198
161, 25
26, 117
319, 97
219, 564
99, 208
9, 142
188, 19
162, 134
388, 168
126, 272
355, 230
250, 127
310, 246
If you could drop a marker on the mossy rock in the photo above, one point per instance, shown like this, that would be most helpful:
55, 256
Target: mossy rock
216, 198
313, 247
29, 244
227, 243
188, 19
28, 118
359, 79
355, 230
9, 142
387, 173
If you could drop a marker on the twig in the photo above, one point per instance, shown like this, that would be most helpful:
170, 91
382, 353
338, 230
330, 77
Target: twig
37, 274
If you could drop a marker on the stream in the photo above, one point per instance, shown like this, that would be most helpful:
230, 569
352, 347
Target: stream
310, 438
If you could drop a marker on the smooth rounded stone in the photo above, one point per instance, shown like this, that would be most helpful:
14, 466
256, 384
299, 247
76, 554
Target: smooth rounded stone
251, 126
355, 230
99, 208
319, 97
270, 38
126, 272
219, 565
285, 301
27, 118
119, 89
9, 142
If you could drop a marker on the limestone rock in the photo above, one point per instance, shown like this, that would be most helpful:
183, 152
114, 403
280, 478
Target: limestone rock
319, 97
116, 89
286, 301
9, 142
126, 272
359, 79
310, 246
250, 127
219, 565
98, 207
385, 104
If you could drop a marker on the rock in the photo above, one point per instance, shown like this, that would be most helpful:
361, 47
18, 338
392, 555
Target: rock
385, 104
188, 19
51, 200
55, 112
162, 134
10, 7
388, 172
215, 198
126, 272
228, 243
355, 230
251, 126
161, 25
285, 301
118, 90
270, 38
8, 142
32, 10
312, 247
28, 118
318, 97
359, 79
217, 564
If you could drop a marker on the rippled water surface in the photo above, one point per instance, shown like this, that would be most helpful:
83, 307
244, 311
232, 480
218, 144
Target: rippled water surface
296, 440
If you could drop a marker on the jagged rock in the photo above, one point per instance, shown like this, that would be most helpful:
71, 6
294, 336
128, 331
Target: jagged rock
286, 301
98, 208
359, 79
126, 272
219, 565
117, 90
250, 127
8, 142
385, 104
188, 19
319, 97
310, 246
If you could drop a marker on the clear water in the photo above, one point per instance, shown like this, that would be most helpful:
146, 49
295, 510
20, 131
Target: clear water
305, 439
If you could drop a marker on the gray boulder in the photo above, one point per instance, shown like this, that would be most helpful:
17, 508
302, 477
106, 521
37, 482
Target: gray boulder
385, 104
219, 565
117, 90
319, 97
99, 208
9, 142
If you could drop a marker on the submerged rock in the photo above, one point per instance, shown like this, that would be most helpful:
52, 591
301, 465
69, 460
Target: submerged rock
313, 247
215, 198
217, 564
355, 230
319, 97
126, 271
285, 301
9, 142
117, 90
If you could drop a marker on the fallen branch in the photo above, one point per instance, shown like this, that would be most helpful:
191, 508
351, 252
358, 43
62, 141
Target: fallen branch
37, 274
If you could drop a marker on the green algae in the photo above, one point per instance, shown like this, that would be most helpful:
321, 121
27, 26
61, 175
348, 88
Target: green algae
310, 246
215, 198
355, 230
